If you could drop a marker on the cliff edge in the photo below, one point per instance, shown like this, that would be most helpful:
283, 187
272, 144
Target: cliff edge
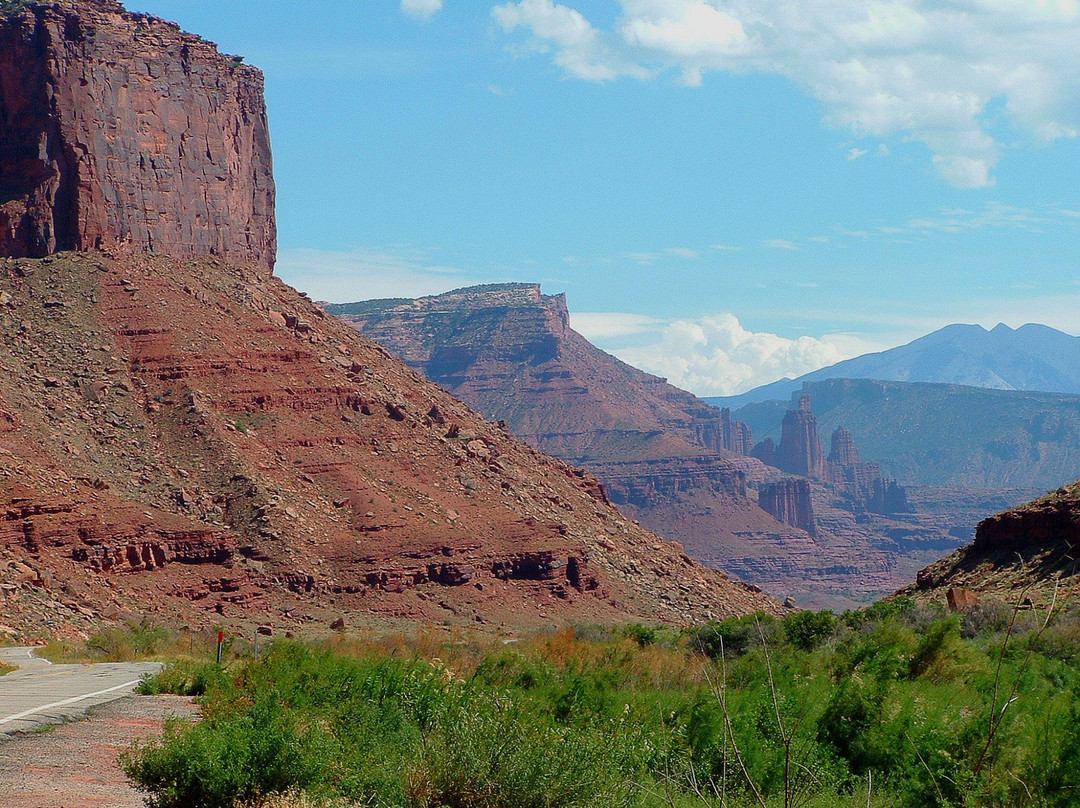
120, 129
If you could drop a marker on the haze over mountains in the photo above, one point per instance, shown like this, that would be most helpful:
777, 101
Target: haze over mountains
1032, 357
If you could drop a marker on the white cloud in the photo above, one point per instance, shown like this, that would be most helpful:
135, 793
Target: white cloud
580, 49
348, 276
610, 325
855, 154
642, 258
924, 69
683, 252
716, 356
421, 9
780, 244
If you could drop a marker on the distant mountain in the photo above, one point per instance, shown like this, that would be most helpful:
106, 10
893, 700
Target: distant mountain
1032, 357
943, 434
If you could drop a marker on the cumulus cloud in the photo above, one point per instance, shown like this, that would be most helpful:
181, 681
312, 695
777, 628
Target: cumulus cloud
421, 9
923, 69
717, 356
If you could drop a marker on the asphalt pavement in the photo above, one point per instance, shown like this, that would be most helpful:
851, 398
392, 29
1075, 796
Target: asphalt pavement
40, 693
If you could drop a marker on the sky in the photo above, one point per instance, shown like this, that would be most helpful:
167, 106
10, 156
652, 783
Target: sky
728, 191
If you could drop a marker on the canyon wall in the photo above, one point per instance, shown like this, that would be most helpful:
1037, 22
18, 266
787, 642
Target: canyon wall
120, 130
789, 501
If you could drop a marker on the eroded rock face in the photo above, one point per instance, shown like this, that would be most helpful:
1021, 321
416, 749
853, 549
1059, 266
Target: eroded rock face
118, 129
789, 501
1024, 556
843, 451
800, 450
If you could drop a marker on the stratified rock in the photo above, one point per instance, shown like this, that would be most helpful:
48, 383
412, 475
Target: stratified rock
887, 497
184, 435
765, 452
789, 501
118, 129
843, 451
800, 451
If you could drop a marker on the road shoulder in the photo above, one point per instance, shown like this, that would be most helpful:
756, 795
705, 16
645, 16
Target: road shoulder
75, 765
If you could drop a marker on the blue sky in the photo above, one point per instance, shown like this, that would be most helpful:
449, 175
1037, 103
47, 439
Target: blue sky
727, 190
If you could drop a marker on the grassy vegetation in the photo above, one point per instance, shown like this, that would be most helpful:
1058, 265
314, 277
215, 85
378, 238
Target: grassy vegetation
136, 641
898, 706
6, 668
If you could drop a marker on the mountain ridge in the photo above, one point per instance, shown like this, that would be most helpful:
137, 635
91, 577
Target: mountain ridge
1033, 357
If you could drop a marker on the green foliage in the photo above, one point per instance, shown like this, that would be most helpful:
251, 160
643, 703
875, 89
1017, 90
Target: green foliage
642, 635
185, 677
893, 708
732, 637
807, 630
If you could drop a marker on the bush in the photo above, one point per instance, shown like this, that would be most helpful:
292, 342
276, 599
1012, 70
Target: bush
732, 637
807, 630
185, 678
560, 721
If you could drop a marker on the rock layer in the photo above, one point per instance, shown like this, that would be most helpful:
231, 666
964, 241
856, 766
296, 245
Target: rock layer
665, 459
800, 450
171, 445
118, 129
789, 501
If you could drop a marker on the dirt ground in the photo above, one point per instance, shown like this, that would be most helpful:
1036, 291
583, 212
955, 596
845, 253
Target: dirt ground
75, 765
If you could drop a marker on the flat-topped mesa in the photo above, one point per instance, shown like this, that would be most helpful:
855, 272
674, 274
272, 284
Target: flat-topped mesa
120, 130
444, 335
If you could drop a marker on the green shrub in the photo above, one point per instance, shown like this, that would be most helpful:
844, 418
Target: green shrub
807, 630
185, 677
732, 637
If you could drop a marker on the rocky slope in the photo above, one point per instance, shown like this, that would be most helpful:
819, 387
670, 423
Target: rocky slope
668, 460
184, 437
1027, 554
196, 440
119, 128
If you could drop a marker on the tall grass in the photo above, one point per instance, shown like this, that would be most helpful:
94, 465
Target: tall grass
886, 708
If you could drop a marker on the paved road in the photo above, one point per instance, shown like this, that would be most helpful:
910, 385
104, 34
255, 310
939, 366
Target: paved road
40, 693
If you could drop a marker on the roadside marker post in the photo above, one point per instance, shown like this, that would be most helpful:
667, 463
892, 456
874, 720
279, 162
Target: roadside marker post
220, 643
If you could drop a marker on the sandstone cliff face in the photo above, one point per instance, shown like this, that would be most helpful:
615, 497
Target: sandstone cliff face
184, 437
789, 501
843, 451
509, 351
800, 451
118, 129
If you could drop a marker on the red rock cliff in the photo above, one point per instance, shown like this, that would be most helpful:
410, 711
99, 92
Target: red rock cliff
800, 451
120, 129
789, 501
